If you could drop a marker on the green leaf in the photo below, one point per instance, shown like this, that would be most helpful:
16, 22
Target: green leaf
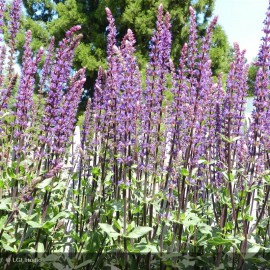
44, 183
234, 139
8, 248
225, 174
252, 251
184, 172
205, 229
146, 248
23, 215
220, 267
108, 177
107, 228
116, 224
3, 221
34, 224
131, 226
9, 238
2, 183
51, 258
139, 232
48, 225
70, 263
75, 176
216, 241
33, 216
59, 266
267, 178
62, 214
40, 248
96, 171
28, 250
191, 219
5, 115
83, 264
117, 206
229, 140
202, 161
10, 172
114, 267
59, 186
187, 263
5, 204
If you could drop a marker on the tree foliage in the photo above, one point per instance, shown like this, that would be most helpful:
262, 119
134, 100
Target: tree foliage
52, 18
220, 52
41, 10
252, 72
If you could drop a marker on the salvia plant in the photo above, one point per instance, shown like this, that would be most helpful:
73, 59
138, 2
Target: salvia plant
163, 173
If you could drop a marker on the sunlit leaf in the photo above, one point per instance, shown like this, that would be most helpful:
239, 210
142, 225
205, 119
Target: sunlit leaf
139, 232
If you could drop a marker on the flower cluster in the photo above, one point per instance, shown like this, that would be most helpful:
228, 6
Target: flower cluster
58, 89
13, 30
183, 143
24, 100
169, 153
2, 10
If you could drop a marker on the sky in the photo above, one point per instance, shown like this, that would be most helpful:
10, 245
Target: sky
242, 21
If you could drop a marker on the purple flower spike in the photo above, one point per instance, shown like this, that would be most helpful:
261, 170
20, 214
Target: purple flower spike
6, 93
65, 126
98, 102
192, 44
24, 102
111, 39
2, 63
13, 30
264, 52
159, 65
260, 125
2, 10
58, 84
234, 106
15, 18
47, 67
129, 102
